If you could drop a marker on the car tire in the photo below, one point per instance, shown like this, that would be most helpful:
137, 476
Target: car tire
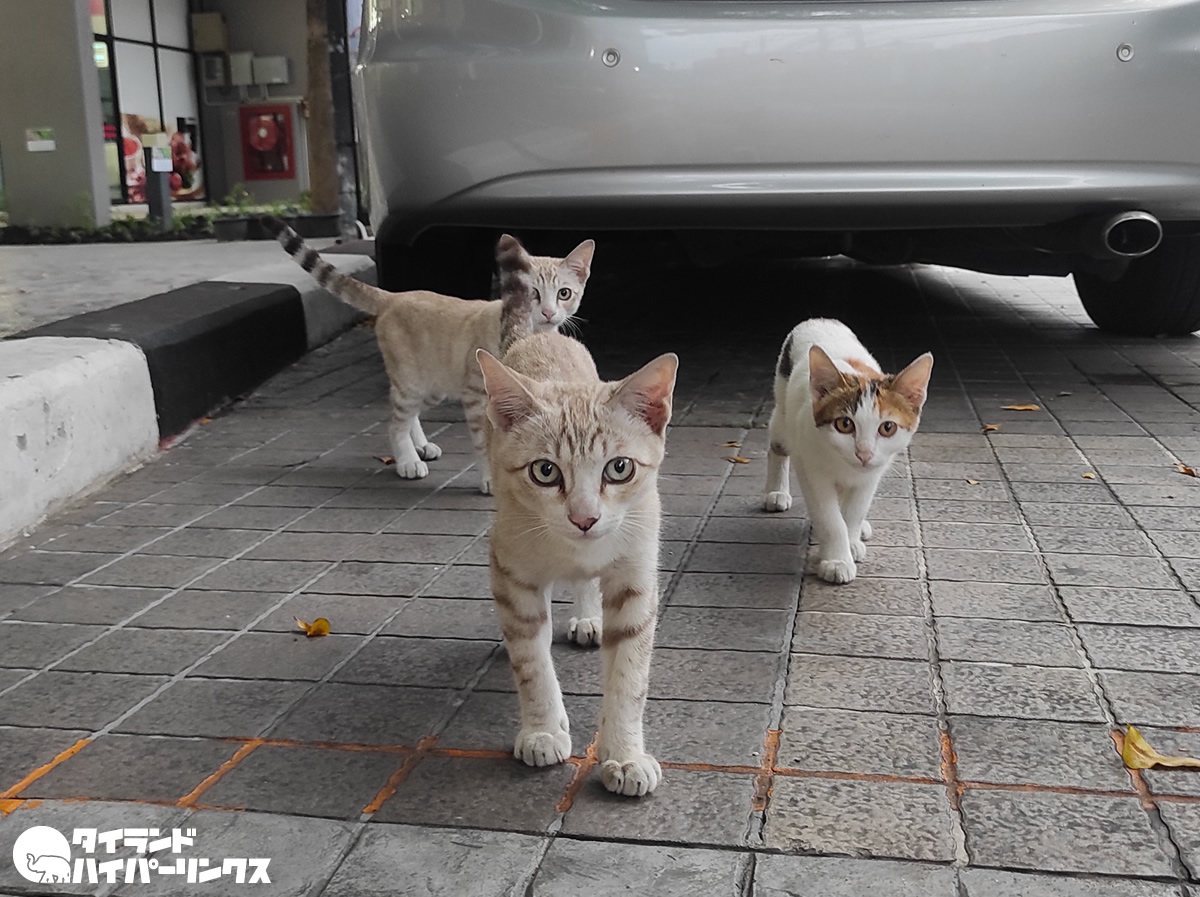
1158, 294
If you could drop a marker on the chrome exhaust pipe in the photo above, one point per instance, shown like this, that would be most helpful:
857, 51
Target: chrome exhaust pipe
1125, 235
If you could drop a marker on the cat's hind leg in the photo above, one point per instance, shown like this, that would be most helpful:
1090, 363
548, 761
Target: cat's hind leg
405, 408
475, 410
630, 612
776, 497
426, 450
524, 614
585, 626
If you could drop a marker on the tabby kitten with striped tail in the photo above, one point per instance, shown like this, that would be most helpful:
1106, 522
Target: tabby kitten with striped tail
428, 340
575, 468
843, 422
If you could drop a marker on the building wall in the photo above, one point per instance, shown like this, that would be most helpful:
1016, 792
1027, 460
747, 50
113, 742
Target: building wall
48, 80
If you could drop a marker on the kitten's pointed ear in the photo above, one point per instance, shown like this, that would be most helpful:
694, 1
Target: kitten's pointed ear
646, 393
823, 375
580, 259
509, 399
913, 381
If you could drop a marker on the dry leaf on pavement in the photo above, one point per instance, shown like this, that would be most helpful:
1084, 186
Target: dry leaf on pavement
731, 445
971, 482
318, 627
386, 459
736, 459
1137, 753
1021, 407
1089, 476
1186, 471
988, 428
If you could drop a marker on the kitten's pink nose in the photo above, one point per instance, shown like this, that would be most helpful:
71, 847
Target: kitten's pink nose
548, 314
583, 523
864, 455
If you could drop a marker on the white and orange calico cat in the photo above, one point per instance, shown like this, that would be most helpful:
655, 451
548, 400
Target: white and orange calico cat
842, 421
428, 340
575, 470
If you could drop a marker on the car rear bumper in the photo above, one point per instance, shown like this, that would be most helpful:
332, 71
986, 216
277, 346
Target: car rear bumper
795, 115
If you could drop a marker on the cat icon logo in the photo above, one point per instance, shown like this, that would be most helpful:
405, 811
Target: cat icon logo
42, 854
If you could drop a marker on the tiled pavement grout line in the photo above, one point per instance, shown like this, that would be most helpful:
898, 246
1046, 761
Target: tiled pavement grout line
1162, 832
937, 685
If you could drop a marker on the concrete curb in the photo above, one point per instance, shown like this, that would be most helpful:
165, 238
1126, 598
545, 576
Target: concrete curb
87, 398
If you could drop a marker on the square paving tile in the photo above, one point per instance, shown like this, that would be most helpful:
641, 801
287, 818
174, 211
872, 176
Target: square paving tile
864, 595
859, 683
1135, 607
723, 557
1061, 833
698, 675
1183, 820
152, 571
356, 578
1109, 570
457, 618
1157, 649
994, 600
278, 655
83, 604
683, 732
897, 820
469, 863
996, 536
1037, 752
63, 700
851, 741
966, 565
25, 749
202, 609
36, 645
572, 868
489, 720
502, 794
261, 576
1001, 883
860, 635
778, 875
1051, 513
726, 590
742, 629
1025, 692
51, 567
434, 663
133, 767
165, 651
688, 808
1007, 641
1153, 699
336, 784
366, 714
215, 708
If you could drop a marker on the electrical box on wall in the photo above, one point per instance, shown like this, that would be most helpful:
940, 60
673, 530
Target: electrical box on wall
209, 33
241, 69
212, 70
271, 70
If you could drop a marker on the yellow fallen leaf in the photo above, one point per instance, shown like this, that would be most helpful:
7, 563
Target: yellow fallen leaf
1186, 471
1089, 476
737, 459
318, 627
1137, 753
1021, 407
971, 482
386, 459
731, 445
990, 428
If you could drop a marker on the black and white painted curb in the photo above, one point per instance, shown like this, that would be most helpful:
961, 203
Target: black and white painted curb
87, 398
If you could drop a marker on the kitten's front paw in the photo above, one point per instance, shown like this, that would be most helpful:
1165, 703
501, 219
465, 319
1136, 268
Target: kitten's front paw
777, 501
865, 531
584, 632
534, 748
634, 777
858, 549
429, 451
836, 571
411, 469
485, 485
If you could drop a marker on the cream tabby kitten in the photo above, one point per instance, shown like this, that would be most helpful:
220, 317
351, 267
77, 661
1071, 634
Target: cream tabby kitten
575, 468
428, 340
843, 422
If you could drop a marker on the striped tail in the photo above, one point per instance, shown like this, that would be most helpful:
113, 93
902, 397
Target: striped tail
361, 295
516, 314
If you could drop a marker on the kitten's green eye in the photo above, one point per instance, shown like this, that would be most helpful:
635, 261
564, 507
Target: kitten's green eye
887, 428
844, 425
545, 473
618, 470
564, 294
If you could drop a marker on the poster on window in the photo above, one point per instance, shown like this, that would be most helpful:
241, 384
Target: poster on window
187, 177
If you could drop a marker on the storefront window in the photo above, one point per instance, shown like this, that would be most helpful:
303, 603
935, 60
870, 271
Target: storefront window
147, 86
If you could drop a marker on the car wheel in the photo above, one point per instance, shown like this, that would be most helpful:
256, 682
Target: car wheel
1158, 293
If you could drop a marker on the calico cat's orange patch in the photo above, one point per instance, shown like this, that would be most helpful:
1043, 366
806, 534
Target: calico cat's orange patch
841, 401
865, 369
844, 400
897, 407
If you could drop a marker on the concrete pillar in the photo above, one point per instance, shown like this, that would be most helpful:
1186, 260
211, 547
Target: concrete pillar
48, 79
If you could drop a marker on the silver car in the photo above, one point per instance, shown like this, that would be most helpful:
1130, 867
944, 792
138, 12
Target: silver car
1008, 136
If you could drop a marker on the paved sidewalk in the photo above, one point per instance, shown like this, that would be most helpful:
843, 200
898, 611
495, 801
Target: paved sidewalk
946, 725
